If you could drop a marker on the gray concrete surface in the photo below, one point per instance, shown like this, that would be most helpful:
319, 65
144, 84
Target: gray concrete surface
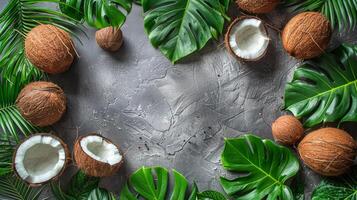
174, 115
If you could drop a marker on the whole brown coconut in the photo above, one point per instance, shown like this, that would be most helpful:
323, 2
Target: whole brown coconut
109, 38
257, 6
42, 103
97, 156
49, 48
328, 151
307, 35
287, 130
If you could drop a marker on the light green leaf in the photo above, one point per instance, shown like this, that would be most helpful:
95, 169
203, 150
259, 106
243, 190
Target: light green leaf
101, 194
211, 195
325, 89
267, 166
342, 188
152, 184
104, 13
12, 188
179, 28
342, 14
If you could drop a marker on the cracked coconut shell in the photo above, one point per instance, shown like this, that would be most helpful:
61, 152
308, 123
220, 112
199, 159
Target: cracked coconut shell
257, 6
307, 35
41, 103
87, 159
328, 151
287, 130
109, 38
50, 49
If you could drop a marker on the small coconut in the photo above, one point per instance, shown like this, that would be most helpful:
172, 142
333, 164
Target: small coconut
109, 38
49, 48
307, 35
40, 158
257, 6
328, 151
97, 156
287, 130
41, 103
247, 39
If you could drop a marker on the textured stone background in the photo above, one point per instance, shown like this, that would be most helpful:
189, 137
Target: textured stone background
174, 115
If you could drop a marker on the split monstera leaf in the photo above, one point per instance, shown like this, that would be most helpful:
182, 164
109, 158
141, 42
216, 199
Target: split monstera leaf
325, 89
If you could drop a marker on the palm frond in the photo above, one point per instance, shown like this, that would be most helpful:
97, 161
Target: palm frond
6, 152
12, 188
16, 20
342, 14
11, 121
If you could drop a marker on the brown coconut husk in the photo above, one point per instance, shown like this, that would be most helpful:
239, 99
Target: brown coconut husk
257, 6
328, 151
41, 103
287, 130
307, 35
50, 49
66, 150
229, 48
109, 38
91, 166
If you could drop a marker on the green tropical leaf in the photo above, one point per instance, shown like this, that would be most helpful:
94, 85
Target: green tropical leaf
341, 14
179, 28
325, 89
101, 194
79, 187
16, 20
152, 184
11, 121
342, 188
12, 188
267, 166
7, 148
210, 195
104, 13
72, 8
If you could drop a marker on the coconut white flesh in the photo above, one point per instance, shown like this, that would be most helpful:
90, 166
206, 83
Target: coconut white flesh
39, 159
249, 39
99, 149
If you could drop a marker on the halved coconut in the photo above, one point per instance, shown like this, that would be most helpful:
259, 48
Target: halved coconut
97, 156
40, 158
247, 38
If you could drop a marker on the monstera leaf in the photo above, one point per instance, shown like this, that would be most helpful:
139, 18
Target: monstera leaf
343, 188
266, 164
325, 89
179, 28
143, 183
98, 13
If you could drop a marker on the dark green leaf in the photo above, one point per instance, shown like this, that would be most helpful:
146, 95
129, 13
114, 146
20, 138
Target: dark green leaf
342, 14
7, 148
12, 188
211, 195
267, 166
104, 13
342, 188
58, 193
72, 8
325, 89
298, 187
101, 194
81, 185
179, 28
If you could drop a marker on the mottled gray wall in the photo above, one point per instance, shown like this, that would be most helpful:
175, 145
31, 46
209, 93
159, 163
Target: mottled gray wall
174, 115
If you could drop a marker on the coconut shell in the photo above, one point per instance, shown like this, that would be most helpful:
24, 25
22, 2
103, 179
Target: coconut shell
227, 35
307, 35
328, 151
50, 49
109, 38
91, 166
41, 103
287, 130
66, 150
257, 6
